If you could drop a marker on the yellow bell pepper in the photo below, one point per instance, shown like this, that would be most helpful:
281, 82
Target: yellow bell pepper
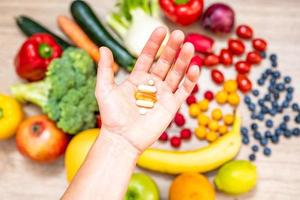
11, 115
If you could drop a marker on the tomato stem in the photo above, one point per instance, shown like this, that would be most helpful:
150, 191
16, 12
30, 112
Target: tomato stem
1, 113
45, 51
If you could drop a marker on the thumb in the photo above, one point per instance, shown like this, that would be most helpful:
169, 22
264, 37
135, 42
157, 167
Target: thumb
105, 74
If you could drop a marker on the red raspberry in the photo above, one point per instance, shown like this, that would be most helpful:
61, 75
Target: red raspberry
179, 119
209, 95
196, 89
185, 133
164, 136
191, 99
175, 142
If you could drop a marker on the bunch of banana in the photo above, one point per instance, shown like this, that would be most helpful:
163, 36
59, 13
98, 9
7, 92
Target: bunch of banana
200, 160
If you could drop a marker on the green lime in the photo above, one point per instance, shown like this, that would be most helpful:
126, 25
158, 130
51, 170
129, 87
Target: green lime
236, 177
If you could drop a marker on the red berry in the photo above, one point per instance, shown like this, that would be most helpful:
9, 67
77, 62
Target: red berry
225, 57
196, 60
164, 136
242, 67
175, 141
99, 122
196, 89
244, 31
209, 95
254, 57
185, 133
244, 83
191, 99
236, 46
202, 44
217, 76
179, 119
211, 60
259, 44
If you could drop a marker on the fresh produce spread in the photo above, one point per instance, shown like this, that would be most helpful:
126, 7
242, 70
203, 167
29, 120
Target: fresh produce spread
61, 78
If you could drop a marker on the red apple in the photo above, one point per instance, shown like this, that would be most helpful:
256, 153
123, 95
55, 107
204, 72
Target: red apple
39, 139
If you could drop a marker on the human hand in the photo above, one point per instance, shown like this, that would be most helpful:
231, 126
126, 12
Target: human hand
119, 112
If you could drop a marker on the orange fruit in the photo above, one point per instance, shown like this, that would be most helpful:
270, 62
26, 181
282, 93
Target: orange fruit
191, 186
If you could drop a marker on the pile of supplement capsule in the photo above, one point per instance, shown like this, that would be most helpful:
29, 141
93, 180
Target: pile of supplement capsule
276, 101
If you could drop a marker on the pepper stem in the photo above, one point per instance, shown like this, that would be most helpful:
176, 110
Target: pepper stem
1, 113
45, 51
181, 2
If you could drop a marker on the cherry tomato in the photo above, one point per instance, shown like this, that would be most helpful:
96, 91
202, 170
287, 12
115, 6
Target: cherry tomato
259, 44
175, 141
244, 31
217, 76
254, 57
242, 67
164, 136
225, 57
185, 133
196, 60
209, 95
244, 83
179, 119
236, 46
191, 99
211, 60
196, 89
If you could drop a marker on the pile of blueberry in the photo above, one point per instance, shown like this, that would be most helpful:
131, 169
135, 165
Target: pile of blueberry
277, 99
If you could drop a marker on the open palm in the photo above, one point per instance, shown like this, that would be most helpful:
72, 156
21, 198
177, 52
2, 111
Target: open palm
119, 112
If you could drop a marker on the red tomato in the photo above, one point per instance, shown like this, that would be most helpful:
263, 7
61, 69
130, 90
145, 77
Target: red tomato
217, 76
236, 46
244, 83
209, 95
191, 99
244, 31
225, 57
185, 133
175, 141
259, 44
254, 57
179, 119
242, 67
211, 60
196, 60
164, 136
196, 89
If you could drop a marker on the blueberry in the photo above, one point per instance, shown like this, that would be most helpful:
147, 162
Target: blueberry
286, 118
276, 95
247, 100
263, 141
274, 64
264, 76
255, 148
272, 82
290, 90
261, 102
268, 134
280, 86
244, 131
296, 131
267, 151
260, 82
251, 107
255, 92
263, 54
297, 119
264, 110
273, 112
257, 135
287, 133
254, 126
278, 132
283, 126
253, 116
295, 107
268, 71
289, 97
245, 140
285, 104
273, 57
260, 117
252, 157
274, 139
269, 123
287, 79
276, 74
267, 97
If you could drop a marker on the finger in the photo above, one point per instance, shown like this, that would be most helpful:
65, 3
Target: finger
105, 75
188, 84
161, 68
148, 54
175, 75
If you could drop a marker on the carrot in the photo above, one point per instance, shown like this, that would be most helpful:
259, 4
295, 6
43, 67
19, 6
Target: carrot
78, 37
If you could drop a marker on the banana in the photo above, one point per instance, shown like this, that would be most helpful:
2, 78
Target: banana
200, 160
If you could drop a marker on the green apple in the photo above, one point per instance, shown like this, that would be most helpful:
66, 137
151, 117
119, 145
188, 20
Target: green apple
142, 187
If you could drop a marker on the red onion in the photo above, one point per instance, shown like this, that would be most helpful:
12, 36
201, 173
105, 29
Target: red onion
218, 18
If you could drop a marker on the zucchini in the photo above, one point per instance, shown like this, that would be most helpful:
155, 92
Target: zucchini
29, 27
91, 25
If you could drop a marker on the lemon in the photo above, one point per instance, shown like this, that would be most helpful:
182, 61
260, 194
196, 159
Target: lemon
78, 149
236, 177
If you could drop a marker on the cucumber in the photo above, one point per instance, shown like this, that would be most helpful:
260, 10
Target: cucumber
91, 25
29, 27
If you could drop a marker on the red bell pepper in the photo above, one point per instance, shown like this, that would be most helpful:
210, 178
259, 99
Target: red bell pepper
35, 55
183, 12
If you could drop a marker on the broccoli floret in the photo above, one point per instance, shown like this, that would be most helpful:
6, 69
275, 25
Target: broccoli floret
66, 95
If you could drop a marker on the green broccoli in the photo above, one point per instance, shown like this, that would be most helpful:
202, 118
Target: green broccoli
66, 95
